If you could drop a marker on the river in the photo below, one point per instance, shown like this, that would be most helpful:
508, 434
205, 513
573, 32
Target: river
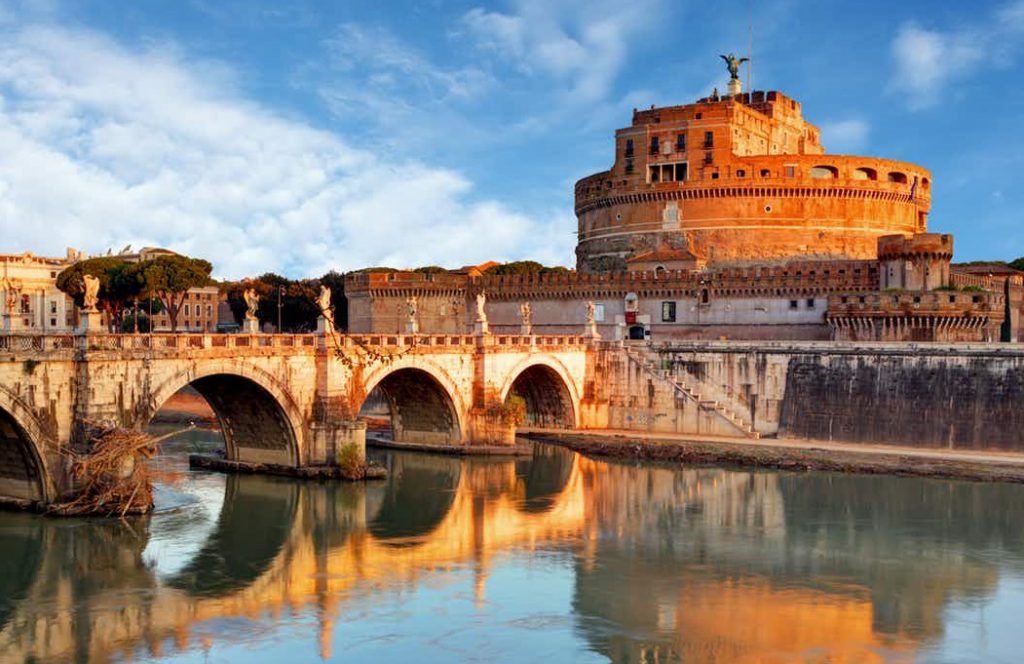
554, 558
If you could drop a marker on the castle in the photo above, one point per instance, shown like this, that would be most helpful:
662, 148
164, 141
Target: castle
726, 218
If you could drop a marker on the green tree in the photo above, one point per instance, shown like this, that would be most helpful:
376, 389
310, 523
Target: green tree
431, 269
118, 286
525, 267
168, 278
297, 299
1018, 264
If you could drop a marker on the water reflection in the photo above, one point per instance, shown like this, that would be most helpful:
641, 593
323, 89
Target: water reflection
657, 563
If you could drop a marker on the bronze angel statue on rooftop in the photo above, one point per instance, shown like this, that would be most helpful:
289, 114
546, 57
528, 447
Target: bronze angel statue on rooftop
733, 63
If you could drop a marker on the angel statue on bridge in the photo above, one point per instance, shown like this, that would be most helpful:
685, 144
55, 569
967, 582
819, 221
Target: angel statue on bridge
91, 294
323, 302
252, 303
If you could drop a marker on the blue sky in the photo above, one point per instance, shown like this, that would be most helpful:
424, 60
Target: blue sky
305, 136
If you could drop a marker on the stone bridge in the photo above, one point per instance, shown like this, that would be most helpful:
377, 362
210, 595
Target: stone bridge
290, 400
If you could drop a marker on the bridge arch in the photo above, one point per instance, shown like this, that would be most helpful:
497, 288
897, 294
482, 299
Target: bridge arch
23, 471
259, 419
549, 391
425, 403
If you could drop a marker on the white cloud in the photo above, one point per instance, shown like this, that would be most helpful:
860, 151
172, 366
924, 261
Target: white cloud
103, 146
581, 44
928, 60
844, 136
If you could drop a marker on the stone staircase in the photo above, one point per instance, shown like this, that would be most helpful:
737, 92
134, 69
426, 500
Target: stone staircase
684, 387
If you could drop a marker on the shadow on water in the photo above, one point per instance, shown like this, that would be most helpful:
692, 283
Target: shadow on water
543, 476
419, 492
21, 550
255, 521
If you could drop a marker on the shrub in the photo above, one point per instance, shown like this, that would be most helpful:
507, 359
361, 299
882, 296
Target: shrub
350, 460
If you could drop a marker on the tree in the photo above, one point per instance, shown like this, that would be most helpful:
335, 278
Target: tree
168, 278
525, 267
299, 310
431, 269
118, 285
1018, 264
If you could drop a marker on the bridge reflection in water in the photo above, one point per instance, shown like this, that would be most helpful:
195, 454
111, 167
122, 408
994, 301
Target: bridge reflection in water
661, 563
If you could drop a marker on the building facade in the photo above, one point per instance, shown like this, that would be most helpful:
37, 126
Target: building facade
29, 298
741, 180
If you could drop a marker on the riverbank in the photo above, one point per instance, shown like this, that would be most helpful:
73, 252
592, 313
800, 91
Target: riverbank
212, 462
517, 450
792, 455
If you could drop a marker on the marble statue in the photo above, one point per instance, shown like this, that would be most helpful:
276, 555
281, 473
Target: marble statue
481, 303
91, 295
323, 302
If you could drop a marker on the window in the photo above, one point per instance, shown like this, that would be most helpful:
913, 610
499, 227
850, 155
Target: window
26, 305
53, 275
896, 176
765, 173
705, 296
654, 145
53, 322
862, 299
667, 172
680, 142
740, 173
187, 311
668, 312
793, 304
810, 303
952, 299
53, 306
844, 299
209, 311
629, 147
598, 312
865, 174
790, 171
629, 165
698, 116
824, 172
709, 139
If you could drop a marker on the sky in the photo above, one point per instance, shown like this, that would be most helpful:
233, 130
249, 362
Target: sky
303, 136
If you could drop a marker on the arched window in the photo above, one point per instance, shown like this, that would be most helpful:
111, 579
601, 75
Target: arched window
896, 176
925, 183
865, 173
765, 173
825, 172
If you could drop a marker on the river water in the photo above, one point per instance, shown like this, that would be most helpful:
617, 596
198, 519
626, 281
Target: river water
554, 558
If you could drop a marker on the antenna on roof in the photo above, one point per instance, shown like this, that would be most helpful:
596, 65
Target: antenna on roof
750, 48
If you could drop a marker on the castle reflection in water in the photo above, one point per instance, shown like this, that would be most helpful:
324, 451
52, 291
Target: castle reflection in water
667, 563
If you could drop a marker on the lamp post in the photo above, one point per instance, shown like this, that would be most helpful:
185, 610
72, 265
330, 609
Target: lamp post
280, 293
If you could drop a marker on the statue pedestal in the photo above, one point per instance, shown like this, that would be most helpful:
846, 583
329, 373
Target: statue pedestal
526, 329
412, 327
735, 87
590, 331
90, 321
251, 326
324, 326
481, 328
